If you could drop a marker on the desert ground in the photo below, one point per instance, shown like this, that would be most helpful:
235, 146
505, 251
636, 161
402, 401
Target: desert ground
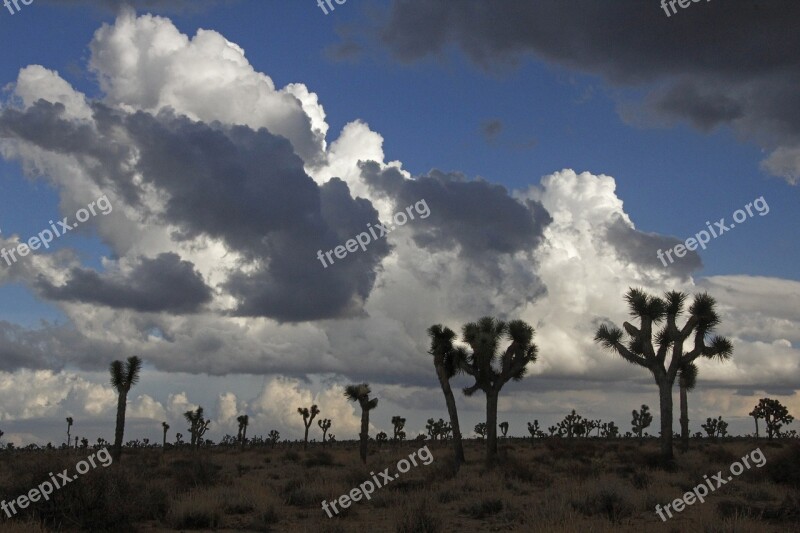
554, 484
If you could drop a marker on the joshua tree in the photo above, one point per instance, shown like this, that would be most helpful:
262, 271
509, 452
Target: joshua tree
573, 425
503, 428
774, 414
69, 426
178, 439
715, 427
641, 420
399, 423
243, 420
535, 431
448, 362
381, 438
198, 426
360, 393
649, 349
480, 429
308, 417
123, 377
324, 425
687, 379
165, 427
273, 437
492, 369
609, 431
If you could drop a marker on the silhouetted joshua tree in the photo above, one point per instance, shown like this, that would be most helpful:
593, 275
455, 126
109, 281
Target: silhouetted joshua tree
687, 380
491, 369
398, 423
243, 420
360, 393
609, 431
503, 428
774, 414
308, 417
641, 420
69, 426
198, 426
715, 428
573, 425
273, 437
324, 425
649, 349
123, 377
535, 431
448, 361
480, 429
381, 438
165, 427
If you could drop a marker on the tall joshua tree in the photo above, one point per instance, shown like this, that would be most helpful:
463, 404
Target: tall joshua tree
243, 420
165, 427
123, 377
650, 349
399, 423
198, 425
491, 369
360, 393
448, 361
687, 380
308, 417
324, 425
69, 427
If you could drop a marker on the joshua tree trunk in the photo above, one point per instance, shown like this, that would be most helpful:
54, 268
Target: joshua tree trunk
122, 403
665, 397
458, 448
491, 426
305, 440
364, 435
684, 419
244, 437
756, 419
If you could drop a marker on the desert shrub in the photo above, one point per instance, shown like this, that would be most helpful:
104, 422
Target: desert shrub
197, 472
417, 517
296, 492
735, 508
319, 458
195, 510
482, 509
605, 502
720, 454
291, 456
785, 467
640, 480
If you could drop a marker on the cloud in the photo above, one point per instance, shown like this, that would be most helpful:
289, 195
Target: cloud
704, 67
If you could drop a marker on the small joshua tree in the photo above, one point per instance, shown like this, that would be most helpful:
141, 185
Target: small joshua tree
69, 426
243, 420
273, 437
641, 420
360, 393
165, 427
480, 429
503, 428
774, 414
84, 443
399, 423
715, 427
199, 426
609, 431
178, 439
535, 430
381, 438
308, 417
324, 425
573, 425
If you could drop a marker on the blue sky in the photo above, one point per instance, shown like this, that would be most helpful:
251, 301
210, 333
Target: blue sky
430, 111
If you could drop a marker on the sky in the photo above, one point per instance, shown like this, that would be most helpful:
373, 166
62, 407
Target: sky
191, 163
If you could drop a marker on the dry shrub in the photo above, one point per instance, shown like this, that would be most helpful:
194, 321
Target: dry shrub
482, 509
784, 467
417, 517
198, 509
605, 502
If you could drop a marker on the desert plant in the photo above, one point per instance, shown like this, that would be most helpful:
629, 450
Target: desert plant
651, 353
490, 369
480, 429
609, 430
503, 428
641, 420
273, 437
69, 427
381, 438
448, 361
535, 431
573, 425
715, 427
775, 415
198, 426
165, 427
324, 425
687, 380
243, 421
360, 393
123, 377
308, 417
399, 423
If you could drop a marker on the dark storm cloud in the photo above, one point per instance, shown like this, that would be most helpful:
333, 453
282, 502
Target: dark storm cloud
245, 187
477, 216
712, 63
165, 283
641, 248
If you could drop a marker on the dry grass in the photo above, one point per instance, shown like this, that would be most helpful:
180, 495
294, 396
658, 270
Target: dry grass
556, 486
